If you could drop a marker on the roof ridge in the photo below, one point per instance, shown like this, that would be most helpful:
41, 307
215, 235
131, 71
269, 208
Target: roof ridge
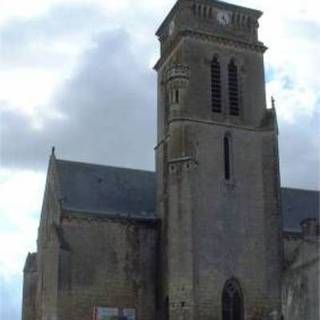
86, 164
299, 189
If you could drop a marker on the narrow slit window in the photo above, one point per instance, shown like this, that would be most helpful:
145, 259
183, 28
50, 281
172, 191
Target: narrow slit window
233, 89
227, 164
215, 85
171, 97
167, 310
177, 95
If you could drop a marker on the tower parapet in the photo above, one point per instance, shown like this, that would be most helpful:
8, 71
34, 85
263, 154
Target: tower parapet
211, 20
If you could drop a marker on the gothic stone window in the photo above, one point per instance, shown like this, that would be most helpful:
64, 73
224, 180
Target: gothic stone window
215, 85
232, 301
234, 108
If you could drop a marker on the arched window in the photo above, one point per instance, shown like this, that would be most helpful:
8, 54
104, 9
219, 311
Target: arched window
215, 85
227, 157
233, 89
232, 301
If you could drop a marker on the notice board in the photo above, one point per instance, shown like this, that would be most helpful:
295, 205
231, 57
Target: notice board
107, 313
102, 313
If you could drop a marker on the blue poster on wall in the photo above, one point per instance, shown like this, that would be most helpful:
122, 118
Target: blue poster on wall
129, 314
107, 313
104, 313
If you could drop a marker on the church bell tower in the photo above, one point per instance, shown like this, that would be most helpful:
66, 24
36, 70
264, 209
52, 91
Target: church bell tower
217, 168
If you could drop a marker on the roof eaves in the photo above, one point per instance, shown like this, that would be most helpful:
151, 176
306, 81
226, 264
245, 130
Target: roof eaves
76, 212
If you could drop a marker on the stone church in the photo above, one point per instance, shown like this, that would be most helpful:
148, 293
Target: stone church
210, 235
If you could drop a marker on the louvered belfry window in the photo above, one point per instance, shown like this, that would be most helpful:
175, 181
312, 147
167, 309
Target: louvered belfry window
215, 85
233, 89
232, 301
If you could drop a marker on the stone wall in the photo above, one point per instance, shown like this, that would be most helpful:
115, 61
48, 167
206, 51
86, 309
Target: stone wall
108, 264
300, 290
217, 229
235, 224
30, 279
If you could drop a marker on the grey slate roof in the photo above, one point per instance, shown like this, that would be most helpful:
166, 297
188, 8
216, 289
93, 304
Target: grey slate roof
106, 190
298, 205
91, 188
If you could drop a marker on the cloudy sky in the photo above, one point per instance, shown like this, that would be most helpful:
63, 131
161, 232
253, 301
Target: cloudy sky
77, 74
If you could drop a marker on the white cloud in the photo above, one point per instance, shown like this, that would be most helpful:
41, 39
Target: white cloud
294, 67
27, 88
44, 43
10, 297
39, 52
291, 30
18, 8
21, 195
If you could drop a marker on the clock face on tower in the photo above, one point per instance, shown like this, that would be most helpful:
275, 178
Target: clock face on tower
223, 17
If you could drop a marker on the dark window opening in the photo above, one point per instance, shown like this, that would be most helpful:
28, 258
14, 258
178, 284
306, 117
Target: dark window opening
177, 96
232, 301
227, 165
233, 89
167, 311
215, 85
